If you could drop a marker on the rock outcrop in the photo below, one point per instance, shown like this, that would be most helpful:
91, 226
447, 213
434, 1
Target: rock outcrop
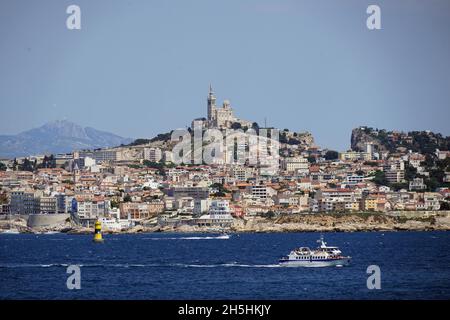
341, 222
361, 137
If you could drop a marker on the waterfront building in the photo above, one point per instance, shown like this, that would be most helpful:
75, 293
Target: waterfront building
219, 215
48, 205
23, 202
90, 209
140, 210
115, 224
201, 206
5, 209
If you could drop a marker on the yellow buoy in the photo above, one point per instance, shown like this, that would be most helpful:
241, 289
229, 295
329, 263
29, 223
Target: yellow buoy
98, 232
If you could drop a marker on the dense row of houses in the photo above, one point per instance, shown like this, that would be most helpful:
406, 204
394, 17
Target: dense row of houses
89, 189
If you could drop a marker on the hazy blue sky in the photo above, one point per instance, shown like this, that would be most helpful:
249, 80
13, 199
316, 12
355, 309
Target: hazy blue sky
137, 68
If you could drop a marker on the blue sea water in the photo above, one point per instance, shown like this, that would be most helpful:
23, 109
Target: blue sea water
414, 265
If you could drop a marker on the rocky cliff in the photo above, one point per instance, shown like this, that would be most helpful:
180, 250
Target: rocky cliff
425, 142
362, 136
344, 223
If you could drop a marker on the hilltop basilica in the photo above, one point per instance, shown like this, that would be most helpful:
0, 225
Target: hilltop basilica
220, 117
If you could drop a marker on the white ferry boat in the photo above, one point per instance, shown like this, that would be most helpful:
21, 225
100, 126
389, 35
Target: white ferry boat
323, 256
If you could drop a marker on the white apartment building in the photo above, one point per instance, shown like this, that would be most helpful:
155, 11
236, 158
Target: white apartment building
241, 173
340, 195
395, 171
416, 159
259, 192
353, 179
295, 164
201, 206
153, 154
91, 209
353, 155
417, 184
48, 205
431, 201
102, 155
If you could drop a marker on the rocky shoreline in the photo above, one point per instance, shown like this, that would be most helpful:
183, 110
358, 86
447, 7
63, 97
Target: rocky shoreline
285, 223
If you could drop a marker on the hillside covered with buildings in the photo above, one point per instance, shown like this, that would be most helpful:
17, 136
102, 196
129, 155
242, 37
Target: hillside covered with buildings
141, 184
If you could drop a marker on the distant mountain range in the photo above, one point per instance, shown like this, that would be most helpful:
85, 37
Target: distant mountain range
59, 136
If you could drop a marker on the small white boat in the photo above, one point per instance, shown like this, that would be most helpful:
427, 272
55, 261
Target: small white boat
11, 231
51, 232
323, 256
223, 236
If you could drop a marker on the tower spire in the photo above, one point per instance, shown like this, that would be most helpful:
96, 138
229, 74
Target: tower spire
211, 104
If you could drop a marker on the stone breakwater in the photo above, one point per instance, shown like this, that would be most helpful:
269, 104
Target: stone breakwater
284, 223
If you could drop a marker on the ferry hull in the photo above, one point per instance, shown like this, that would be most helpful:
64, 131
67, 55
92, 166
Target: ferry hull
315, 263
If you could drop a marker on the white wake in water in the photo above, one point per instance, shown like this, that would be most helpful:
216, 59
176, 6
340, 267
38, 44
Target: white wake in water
238, 265
126, 265
192, 238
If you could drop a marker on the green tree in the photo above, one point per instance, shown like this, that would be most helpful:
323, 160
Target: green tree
114, 204
283, 137
312, 159
26, 165
331, 155
332, 185
399, 186
445, 205
48, 162
269, 214
236, 125
429, 161
380, 178
2, 166
221, 189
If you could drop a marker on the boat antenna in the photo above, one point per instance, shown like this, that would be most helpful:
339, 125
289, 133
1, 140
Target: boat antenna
321, 240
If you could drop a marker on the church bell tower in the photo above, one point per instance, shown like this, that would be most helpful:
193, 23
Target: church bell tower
211, 105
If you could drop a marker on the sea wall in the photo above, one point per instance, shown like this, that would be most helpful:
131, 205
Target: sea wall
46, 220
13, 216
